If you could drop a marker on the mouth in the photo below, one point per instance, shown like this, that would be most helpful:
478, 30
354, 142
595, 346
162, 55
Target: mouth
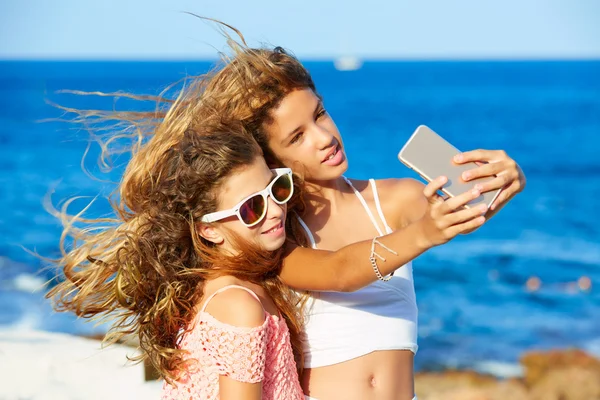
331, 153
274, 229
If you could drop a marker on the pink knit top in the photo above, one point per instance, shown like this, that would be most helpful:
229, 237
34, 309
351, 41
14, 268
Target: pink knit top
259, 354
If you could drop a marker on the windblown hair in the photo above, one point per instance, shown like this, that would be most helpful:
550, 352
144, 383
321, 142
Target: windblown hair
251, 85
145, 268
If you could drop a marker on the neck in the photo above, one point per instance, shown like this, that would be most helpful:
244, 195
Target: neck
319, 194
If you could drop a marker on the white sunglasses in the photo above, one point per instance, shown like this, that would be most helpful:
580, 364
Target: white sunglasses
253, 208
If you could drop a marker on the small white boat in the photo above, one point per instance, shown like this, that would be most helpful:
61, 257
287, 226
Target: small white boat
348, 63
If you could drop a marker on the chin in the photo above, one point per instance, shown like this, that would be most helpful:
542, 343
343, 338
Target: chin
330, 173
344, 166
274, 244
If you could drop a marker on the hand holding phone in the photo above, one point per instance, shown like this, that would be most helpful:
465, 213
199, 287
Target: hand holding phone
431, 156
445, 219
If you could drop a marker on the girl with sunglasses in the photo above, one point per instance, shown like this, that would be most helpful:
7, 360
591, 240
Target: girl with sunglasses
190, 265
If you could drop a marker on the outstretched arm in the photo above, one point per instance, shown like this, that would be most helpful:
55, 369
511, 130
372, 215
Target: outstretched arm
350, 268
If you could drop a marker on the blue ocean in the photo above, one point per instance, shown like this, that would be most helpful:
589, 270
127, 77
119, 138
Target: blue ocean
476, 309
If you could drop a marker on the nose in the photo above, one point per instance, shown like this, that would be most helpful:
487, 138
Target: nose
323, 138
275, 210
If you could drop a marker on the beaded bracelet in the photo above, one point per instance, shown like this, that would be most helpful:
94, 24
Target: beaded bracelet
374, 260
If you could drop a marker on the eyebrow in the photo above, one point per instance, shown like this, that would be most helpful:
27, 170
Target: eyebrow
319, 106
271, 177
292, 133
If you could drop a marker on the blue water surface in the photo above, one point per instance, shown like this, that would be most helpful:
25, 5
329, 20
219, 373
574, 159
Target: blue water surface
472, 296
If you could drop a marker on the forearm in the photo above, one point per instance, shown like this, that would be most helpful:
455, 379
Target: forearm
354, 267
349, 268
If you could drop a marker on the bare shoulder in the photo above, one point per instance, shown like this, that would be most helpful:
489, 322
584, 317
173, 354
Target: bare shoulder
237, 307
406, 189
402, 199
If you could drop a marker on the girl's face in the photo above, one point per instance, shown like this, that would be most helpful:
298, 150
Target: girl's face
268, 234
304, 137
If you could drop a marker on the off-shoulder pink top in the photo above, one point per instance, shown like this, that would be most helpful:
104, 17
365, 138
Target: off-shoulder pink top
258, 354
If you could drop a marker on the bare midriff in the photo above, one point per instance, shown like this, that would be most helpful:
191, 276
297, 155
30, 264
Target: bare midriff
380, 375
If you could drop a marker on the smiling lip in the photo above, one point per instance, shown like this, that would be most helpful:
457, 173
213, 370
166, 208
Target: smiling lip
334, 158
273, 229
331, 152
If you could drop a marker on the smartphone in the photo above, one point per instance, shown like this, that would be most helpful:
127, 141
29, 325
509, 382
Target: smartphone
430, 155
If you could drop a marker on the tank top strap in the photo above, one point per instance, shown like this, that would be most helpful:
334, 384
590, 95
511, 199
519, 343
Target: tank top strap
378, 205
224, 288
308, 232
366, 206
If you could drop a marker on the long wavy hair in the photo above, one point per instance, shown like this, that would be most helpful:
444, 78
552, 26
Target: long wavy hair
108, 262
144, 268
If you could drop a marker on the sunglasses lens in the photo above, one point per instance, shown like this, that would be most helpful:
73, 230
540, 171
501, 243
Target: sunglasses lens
252, 210
282, 188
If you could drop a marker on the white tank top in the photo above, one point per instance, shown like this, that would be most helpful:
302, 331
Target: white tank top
381, 316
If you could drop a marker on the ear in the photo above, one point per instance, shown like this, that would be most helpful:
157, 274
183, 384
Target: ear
210, 233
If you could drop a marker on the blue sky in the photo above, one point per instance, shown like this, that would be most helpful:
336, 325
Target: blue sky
422, 29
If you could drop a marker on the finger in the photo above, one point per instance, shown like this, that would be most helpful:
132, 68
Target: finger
435, 201
499, 182
454, 203
478, 155
505, 195
430, 191
464, 227
485, 170
465, 215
